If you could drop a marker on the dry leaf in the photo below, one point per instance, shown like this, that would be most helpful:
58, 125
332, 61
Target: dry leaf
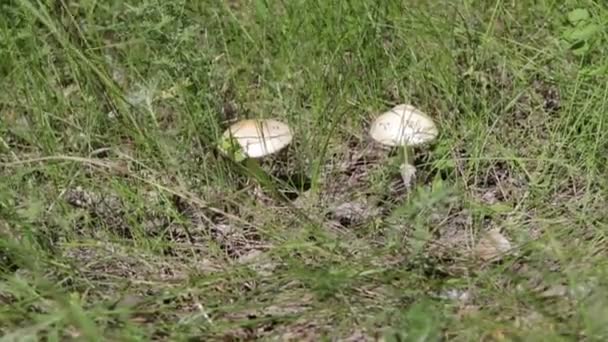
467, 311
352, 213
492, 245
70, 89
555, 291
250, 256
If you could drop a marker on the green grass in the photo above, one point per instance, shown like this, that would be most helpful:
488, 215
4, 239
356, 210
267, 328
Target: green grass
126, 101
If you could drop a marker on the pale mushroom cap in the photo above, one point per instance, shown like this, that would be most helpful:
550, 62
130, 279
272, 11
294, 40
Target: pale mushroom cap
403, 125
259, 138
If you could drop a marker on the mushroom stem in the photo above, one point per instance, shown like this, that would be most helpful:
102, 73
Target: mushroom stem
407, 170
407, 155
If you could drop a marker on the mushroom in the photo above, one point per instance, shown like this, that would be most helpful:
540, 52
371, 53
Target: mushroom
407, 127
252, 139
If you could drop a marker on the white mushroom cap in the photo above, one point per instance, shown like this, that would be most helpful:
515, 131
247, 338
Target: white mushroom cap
259, 138
403, 125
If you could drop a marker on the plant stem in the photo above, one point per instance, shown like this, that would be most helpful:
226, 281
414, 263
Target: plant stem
406, 167
256, 170
265, 180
